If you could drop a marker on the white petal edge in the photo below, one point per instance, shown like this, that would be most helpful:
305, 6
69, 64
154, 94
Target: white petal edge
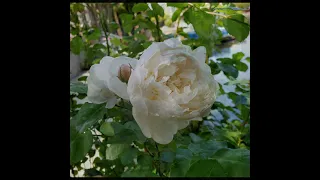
200, 54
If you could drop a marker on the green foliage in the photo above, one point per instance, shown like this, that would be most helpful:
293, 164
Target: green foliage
80, 144
87, 116
218, 146
76, 45
126, 22
78, 87
176, 14
236, 26
178, 5
157, 9
140, 7
94, 34
107, 129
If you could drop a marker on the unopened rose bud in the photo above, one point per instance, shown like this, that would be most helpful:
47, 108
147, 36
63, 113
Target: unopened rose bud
124, 73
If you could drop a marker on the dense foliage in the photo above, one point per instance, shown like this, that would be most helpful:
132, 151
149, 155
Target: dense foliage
110, 142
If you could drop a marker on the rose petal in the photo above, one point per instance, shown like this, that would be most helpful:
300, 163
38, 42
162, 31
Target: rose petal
200, 54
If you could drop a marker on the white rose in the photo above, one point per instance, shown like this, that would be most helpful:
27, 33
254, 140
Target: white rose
103, 82
170, 86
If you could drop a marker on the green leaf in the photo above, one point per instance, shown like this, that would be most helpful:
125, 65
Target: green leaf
242, 66
87, 116
127, 156
236, 26
78, 7
228, 69
183, 154
237, 99
238, 56
99, 46
244, 111
167, 156
138, 173
146, 44
117, 127
157, 9
201, 21
133, 126
139, 7
183, 34
150, 13
221, 90
115, 150
214, 68
113, 26
233, 96
176, 14
76, 45
115, 41
80, 146
95, 35
91, 153
235, 162
241, 100
107, 129
205, 168
141, 37
92, 172
206, 149
226, 60
145, 162
227, 11
195, 138
82, 78
182, 140
126, 20
125, 136
78, 87
180, 168
135, 47
248, 59
199, 4
178, 5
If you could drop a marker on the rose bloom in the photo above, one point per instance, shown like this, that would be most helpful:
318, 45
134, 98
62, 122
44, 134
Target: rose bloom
170, 86
107, 80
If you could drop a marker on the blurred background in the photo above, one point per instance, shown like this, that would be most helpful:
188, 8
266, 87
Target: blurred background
91, 19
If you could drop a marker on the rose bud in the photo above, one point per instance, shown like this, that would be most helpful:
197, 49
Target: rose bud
124, 73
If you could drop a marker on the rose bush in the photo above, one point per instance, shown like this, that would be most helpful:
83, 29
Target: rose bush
170, 86
104, 84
